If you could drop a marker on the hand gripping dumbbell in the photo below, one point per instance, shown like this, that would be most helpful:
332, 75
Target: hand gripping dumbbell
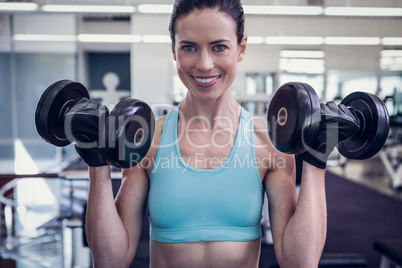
295, 113
123, 136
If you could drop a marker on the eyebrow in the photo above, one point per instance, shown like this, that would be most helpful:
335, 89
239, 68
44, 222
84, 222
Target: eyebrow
211, 43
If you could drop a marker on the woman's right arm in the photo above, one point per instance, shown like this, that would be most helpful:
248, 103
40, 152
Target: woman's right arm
114, 226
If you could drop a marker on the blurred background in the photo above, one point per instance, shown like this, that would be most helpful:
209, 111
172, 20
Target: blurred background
121, 48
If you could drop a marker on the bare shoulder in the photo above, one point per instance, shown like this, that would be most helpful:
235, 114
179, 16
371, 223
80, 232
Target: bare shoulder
157, 136
273, 160
261, 137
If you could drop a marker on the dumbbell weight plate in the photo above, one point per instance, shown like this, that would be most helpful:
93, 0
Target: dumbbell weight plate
374, 126
293, 117
51, 107
128, 133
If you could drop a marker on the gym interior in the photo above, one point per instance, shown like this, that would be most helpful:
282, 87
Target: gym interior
124, 50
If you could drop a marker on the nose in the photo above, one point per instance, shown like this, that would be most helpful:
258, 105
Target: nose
205, 61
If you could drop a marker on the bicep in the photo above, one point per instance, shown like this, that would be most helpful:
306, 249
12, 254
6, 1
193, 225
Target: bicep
282, 197
132, 197
131, 202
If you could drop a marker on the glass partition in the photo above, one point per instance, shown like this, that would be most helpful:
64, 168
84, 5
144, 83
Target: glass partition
314, 80
391, 91
24, 78
259, 87
6, 132
341, 83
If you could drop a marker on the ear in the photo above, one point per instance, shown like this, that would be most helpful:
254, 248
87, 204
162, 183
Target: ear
241, 49
173, 52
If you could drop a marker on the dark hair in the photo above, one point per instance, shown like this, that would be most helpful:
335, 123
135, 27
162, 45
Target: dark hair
233, 8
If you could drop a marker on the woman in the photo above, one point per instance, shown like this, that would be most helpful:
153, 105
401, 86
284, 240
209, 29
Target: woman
209, 166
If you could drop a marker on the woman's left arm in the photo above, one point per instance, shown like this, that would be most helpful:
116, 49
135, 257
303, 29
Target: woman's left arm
298, 221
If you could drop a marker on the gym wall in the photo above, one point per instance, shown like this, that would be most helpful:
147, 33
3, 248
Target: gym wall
27, 67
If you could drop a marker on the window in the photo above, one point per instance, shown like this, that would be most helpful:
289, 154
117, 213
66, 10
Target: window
341, 83
391, 90
314, 80
258, 90
19, 140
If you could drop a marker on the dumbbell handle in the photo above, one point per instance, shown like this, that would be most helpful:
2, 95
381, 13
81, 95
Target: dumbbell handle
360, 121
84, 121
346, 119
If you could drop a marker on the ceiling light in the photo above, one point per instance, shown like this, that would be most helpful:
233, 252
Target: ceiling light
302, 65
391, 53
18, 6
352, 41
156, 39
363, 11
88, 8
391, 60
282, 10
255, 40
155, 8
109, 38
392, 41
316, 54
294, 40
391, 63
396, 60
45, 37
392, 67
303, 62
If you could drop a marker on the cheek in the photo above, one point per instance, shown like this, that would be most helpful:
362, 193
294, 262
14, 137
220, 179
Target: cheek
230, 64
182, 71
182, 63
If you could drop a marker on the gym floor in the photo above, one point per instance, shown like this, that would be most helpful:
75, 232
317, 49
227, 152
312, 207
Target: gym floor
370, 173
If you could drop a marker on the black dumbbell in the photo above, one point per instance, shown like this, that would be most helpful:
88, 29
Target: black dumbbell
294, 117
124, 135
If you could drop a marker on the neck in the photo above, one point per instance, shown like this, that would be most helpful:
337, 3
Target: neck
224, 106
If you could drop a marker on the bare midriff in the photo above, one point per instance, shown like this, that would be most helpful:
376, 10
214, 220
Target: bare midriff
205, 254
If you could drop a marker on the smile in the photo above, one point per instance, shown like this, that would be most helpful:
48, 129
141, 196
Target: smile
206, 80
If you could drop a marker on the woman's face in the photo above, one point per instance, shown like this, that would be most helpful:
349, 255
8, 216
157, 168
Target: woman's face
207, 52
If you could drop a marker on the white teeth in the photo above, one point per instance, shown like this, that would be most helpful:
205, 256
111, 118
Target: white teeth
205, 81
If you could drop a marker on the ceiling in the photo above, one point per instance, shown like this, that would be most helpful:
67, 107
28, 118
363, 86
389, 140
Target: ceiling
353, 3
360, 3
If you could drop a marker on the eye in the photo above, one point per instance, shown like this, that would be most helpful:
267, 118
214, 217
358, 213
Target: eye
219, 48
188, 48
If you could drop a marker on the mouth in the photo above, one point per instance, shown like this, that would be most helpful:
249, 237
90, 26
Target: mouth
206, 81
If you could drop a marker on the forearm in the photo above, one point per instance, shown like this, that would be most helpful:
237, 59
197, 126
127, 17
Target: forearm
304, 237
107, 236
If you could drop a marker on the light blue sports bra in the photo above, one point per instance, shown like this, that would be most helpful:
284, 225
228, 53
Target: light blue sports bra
193, 205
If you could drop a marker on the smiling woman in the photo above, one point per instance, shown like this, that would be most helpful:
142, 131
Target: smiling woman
206, 208
206, 50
